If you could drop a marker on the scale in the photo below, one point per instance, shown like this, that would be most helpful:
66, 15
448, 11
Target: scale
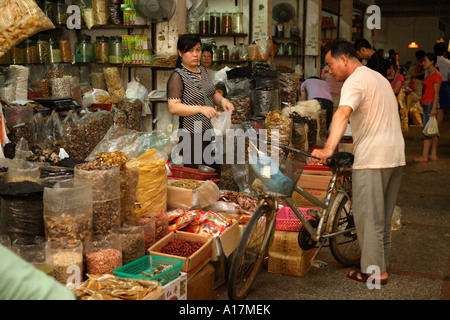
60, 104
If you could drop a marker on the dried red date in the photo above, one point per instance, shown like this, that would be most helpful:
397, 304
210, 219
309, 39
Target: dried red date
181, 247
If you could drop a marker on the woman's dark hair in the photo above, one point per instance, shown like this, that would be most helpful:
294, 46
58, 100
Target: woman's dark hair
185, 43
420, 54
392, 62
342, 47
432, 57
207, 48
440, 48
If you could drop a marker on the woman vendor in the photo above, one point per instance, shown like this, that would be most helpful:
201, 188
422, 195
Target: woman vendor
192, 96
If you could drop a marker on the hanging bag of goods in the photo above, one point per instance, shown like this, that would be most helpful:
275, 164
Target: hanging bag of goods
19, 20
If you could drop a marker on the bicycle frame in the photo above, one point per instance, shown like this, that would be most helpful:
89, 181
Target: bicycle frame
329, 206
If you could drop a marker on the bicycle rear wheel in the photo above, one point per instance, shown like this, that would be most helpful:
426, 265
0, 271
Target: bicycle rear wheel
345, 247
251, 251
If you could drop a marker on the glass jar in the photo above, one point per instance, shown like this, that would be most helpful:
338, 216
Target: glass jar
238, 22
84, 49
50, 10
115, 50
214, 23
43, 47
31, 51
18, 56
227, 23
55, 51
61, 12
115, 15
66, 52
192, 28
225, 52
281, 49
216, 54
290, 49
6, 59
203, 24
101, 49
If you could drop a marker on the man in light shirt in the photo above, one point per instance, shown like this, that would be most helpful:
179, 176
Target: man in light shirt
368, 102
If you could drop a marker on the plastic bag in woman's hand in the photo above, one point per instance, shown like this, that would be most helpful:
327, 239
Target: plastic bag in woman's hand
223, 122
431, 128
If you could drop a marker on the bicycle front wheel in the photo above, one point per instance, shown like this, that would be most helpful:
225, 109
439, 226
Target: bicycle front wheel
251, 251
345, 247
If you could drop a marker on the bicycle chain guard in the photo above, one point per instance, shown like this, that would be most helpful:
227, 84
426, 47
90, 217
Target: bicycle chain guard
304, 238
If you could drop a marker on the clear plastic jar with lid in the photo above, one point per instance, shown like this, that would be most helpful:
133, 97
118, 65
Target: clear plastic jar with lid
290, 49
66, 52
6, 59
17, 54
214, 23
192, 28
50, 10
203, 24
101, 49
281, 49
43, 47
216, 54
115, 50
225, 52
55, 51
238, 22
31, 51
113, 11
84, 49
227, 23
61, 12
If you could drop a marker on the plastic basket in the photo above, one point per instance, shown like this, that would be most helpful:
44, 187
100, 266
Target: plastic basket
279, 179
149, 263
191, 173
288, 221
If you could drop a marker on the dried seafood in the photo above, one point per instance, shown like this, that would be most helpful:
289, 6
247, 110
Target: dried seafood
109, 287
245, 204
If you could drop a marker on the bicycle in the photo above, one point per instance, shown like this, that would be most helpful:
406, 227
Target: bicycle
333, 222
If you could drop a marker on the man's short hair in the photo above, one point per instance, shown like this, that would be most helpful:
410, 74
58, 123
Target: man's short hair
342, 47
440, 48
362, 43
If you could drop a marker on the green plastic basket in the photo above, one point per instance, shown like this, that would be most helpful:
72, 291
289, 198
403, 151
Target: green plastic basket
147, 264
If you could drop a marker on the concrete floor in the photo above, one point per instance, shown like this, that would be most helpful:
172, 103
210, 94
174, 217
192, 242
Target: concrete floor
420, 260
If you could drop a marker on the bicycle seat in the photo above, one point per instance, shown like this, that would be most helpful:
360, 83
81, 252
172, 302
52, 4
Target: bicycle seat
340, 160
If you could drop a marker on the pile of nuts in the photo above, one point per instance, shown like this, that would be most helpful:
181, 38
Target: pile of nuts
103, 261
181, 247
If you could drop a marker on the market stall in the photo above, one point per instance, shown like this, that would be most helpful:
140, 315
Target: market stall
96, 202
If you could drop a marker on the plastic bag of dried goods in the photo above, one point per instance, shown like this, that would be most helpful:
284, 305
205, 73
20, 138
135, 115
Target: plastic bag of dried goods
19, 20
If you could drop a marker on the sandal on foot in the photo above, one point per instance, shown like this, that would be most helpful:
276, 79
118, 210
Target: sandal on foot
434, 159
420, 160
363, 277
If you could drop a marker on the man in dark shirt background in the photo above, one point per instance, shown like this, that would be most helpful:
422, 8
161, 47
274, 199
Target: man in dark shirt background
375, 61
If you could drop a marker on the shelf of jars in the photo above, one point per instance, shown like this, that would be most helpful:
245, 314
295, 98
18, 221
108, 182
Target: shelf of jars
213, 35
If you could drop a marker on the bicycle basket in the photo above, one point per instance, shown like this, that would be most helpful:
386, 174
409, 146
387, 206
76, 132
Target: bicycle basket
276, 177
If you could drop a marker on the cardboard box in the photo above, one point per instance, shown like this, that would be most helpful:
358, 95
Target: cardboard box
229, 240
177, 288
345, 147
195, 262
188, 199
201, 286
315, 180
286, 257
